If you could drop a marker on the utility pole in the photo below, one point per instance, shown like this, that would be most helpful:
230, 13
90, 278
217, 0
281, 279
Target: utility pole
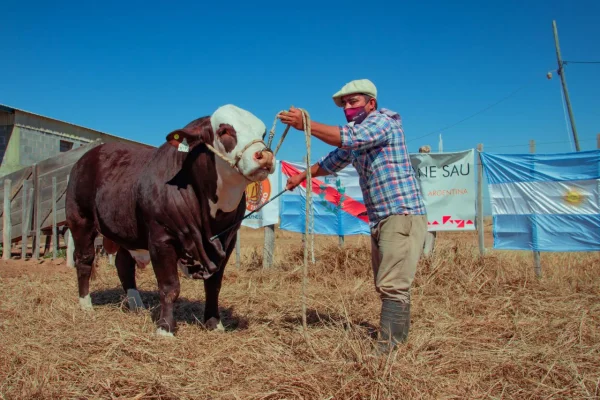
561, 72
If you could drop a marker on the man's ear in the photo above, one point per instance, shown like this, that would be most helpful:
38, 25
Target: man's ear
198, 131
373, 103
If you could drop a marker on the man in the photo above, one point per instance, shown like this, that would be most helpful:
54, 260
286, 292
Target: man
373, 142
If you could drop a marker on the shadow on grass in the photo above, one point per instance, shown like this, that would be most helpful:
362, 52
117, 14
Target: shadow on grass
315, 319
185, 310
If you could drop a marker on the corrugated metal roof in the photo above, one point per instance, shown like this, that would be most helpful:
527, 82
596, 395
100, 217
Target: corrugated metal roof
10, 109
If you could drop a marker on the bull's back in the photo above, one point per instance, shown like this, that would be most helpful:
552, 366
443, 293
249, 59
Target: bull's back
102, 187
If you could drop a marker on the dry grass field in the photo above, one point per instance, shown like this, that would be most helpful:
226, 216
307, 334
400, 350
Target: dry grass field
481, 328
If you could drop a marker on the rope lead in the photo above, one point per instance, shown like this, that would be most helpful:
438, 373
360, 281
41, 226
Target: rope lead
309, 219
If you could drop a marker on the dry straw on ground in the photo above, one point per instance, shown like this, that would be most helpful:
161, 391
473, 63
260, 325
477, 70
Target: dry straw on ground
481, 328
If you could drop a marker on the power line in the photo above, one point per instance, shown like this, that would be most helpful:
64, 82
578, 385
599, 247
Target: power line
495, 104
581, 62
473, 115
536, 143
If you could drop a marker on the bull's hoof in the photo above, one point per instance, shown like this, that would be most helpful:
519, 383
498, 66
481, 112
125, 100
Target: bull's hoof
134, 300
86, 303
163, 333
214, 324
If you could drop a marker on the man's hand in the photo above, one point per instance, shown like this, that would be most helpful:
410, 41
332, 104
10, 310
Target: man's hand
328, 134
295, 180
293, 118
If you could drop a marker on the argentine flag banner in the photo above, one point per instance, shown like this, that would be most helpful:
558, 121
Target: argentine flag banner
545, 202
338, 205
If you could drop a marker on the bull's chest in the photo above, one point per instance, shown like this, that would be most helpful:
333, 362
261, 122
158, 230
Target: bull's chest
230, 190
224, 204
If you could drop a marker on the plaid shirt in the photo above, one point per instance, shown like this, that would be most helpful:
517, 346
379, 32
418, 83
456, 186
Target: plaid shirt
377, 150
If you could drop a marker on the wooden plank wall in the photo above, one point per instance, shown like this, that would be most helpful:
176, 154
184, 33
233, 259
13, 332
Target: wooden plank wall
16, 199
40, 176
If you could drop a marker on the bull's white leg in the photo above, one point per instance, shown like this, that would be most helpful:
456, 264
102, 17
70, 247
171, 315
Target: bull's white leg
134, 300
164, 333
86, 303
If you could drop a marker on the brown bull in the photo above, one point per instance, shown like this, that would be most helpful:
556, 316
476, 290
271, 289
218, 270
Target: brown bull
163, 206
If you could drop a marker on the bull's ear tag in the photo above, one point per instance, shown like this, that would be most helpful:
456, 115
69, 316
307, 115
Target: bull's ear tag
183, 146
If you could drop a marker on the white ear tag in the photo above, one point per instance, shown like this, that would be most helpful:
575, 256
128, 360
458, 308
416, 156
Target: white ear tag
183, 146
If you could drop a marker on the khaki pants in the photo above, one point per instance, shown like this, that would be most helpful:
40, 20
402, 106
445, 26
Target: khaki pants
396, 246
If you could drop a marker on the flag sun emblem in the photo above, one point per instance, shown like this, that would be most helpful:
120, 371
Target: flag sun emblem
573, 197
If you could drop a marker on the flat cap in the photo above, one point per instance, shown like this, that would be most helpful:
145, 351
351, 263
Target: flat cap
362, 86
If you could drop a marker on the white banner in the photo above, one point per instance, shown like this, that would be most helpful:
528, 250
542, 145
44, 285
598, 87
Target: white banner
447, 182
257, 194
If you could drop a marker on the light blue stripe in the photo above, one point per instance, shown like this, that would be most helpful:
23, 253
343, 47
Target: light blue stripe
504, 168
553, 232
293, 212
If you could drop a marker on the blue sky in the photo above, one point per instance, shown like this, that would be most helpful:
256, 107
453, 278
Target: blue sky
141, 69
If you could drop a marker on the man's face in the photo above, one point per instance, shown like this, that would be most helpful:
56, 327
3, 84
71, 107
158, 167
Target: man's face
358, 100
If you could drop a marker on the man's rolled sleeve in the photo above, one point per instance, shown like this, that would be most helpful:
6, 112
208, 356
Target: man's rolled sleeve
371, 133
335, 161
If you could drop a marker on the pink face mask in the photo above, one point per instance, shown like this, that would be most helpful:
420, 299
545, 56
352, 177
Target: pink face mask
356, 115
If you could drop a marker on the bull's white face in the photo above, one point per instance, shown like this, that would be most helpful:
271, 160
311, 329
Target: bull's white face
234, 129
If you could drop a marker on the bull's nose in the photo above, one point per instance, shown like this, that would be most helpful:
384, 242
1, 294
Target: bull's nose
264, 159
